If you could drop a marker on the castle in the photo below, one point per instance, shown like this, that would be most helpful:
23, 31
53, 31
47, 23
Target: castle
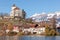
16, 13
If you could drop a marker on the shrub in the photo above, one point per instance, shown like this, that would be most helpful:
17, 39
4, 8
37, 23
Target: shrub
11, 33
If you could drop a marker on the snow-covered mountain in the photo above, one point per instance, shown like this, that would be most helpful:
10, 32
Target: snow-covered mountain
44, 16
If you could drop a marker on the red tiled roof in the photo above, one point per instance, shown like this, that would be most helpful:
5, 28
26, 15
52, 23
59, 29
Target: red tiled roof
16, 8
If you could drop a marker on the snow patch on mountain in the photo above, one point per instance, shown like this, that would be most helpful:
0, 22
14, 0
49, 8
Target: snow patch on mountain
38, 17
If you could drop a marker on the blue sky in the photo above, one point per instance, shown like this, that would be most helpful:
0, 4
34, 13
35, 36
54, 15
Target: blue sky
31, 6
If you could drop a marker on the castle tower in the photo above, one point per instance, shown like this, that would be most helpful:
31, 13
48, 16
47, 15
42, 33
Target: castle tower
17, 12
13, 7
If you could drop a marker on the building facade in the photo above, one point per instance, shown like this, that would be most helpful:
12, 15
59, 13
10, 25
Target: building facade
17, 12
